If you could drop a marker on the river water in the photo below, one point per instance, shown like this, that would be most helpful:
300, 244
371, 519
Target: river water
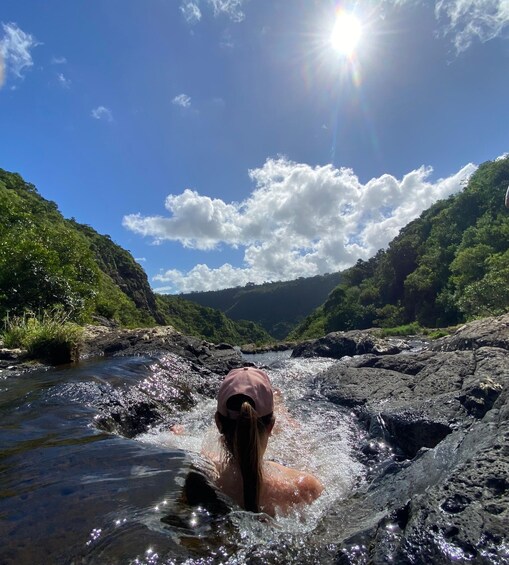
71, 493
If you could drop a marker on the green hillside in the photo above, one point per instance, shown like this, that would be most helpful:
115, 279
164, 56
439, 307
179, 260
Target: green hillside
193, 319
48, 263
448, 266
120, 272
277, 307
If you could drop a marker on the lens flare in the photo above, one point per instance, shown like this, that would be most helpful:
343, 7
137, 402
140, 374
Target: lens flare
346, 33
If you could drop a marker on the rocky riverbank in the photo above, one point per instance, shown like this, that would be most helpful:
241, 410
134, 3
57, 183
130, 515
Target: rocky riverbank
107, 341
189, 364
100, 340
436, 423
443, 496
437, 440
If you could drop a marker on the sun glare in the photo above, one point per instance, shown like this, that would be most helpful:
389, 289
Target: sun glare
346, 33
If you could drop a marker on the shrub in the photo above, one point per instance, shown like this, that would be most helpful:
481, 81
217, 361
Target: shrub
407, 329
435, 334
49, 337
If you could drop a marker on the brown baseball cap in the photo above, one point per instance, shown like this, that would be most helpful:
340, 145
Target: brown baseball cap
251, 382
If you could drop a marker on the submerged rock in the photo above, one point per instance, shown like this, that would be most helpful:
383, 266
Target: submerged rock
173, 385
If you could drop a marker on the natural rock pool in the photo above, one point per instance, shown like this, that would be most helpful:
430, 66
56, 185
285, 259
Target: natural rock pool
413, 451
73, 493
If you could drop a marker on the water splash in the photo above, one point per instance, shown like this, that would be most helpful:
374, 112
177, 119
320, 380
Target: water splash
302, 439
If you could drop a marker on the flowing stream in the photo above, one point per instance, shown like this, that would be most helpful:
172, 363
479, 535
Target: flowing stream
71, 493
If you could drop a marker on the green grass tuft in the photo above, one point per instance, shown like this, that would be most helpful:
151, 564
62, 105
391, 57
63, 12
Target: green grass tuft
407, 329
49, 337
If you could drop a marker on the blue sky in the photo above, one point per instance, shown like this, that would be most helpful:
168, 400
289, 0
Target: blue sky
228, 141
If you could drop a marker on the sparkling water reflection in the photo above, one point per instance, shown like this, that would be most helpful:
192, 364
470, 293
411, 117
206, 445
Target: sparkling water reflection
70, 493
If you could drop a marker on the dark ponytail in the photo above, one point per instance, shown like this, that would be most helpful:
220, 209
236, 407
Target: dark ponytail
243, 438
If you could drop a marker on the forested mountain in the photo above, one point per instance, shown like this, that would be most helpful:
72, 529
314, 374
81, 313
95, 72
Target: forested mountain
277, 306
48, 262
194, 319
118, 266
448, 266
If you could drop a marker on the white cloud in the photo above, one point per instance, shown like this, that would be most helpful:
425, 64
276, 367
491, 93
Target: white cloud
299, 221
182, 100
201, 277
16, 47
58, 60
140, 259
465, 21
102, 113
196, 221
468, 20
230, 8
63, 80
191, 12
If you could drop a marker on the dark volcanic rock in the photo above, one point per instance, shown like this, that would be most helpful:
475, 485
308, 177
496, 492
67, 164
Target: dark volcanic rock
14, 362
182, 367
341, 344
159, 340
11, 354
170, 388
431, 395
445, 496
492, 332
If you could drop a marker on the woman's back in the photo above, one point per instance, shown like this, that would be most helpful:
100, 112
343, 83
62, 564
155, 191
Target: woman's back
281, 490
245, 419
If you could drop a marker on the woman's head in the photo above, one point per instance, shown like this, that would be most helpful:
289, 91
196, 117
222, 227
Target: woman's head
250, 382
244, 416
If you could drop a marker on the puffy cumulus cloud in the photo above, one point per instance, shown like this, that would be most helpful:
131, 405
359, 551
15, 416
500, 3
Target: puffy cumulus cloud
196, 221
182, 100
16, 50
102, 113
299, 221
203, 277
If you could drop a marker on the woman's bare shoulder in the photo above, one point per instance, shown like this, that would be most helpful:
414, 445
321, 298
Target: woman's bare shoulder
294, 485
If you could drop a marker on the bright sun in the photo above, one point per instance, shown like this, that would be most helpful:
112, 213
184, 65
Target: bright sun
346, 33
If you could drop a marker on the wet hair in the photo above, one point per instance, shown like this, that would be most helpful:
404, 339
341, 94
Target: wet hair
243, 439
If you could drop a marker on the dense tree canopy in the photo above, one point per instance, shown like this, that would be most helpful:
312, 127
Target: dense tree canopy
448, 266
277, 307
48, 262
43, 261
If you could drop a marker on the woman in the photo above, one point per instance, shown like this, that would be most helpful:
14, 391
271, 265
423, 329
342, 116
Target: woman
245, 419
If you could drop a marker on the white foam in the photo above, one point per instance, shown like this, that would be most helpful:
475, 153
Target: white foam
311, 434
